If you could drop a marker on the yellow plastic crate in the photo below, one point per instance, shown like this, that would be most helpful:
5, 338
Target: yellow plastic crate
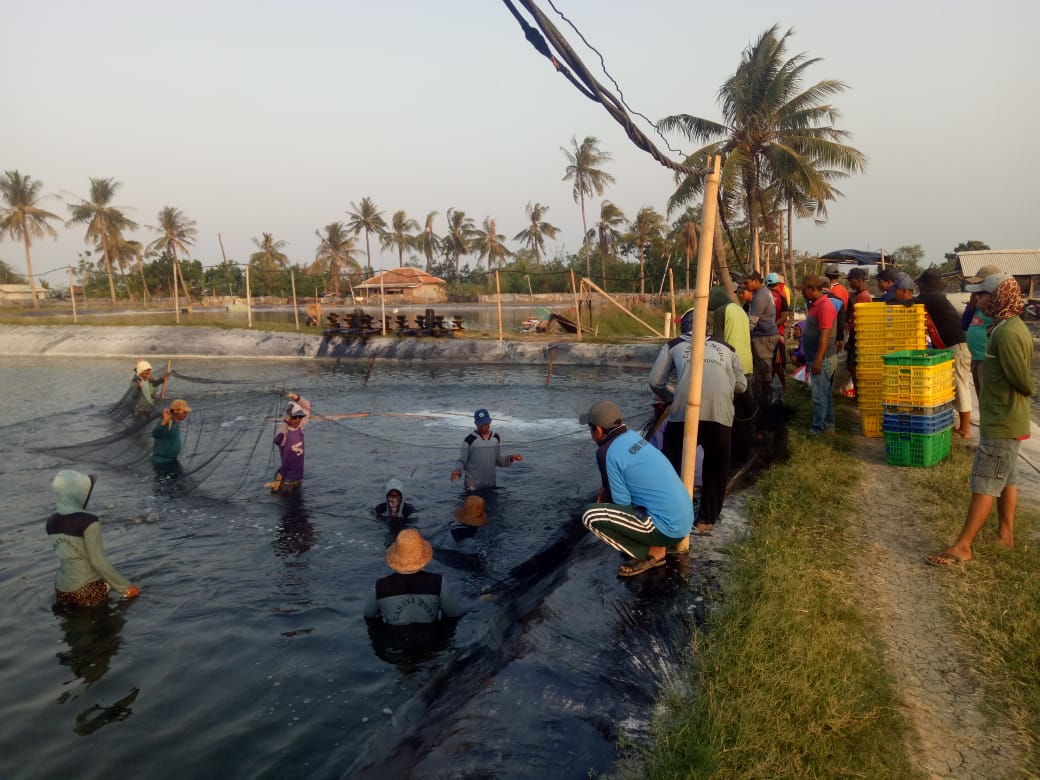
872, 425
918, 397
927, 379
884, 313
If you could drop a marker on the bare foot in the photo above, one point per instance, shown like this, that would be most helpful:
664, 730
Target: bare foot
1006, 541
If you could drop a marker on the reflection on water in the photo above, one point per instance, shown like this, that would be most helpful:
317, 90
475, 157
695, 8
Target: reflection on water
248, 641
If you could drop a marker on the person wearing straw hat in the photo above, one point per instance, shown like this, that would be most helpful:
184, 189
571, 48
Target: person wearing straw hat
1004, 419
289, 441
481, 454
472, 513
410, 595
166, 447
642, 508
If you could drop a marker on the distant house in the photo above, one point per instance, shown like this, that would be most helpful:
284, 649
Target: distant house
405, 285
13, 294
1023, 264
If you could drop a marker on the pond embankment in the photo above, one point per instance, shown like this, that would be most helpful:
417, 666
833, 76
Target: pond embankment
200, 342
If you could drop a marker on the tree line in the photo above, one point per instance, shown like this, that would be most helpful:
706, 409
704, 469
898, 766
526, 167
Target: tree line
781, 153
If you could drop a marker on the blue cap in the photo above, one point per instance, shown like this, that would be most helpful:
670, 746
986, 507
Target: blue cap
481, 417
772, 278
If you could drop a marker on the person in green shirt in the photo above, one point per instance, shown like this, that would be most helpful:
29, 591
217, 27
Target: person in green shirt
167, 433
1004, 418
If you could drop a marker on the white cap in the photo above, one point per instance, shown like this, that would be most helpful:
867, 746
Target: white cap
141, 366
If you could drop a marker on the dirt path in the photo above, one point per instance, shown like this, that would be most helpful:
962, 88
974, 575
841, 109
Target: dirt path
955, 738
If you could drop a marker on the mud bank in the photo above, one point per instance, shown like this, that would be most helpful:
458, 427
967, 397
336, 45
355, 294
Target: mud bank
160, 341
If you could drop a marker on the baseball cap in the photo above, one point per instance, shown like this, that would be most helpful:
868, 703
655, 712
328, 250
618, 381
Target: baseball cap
604, 414
295, 410
832, 271
990, 283
772, 278
986, 270
906, 283
481, 417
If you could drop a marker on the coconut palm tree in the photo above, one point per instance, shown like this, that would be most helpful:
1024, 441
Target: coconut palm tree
22, 218
399, 236
533, 236
176, 232
606, 233
122, 251
458, 241
583, 167
488, 244
685, 236
269, 261
104, 221
427, 242
369, 218
138, 250
335, 253
647, 227
772, 130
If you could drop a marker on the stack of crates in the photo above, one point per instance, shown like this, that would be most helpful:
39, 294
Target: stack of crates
880, 329
918, 416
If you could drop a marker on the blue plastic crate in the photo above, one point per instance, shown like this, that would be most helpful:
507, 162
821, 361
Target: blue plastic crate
917, 423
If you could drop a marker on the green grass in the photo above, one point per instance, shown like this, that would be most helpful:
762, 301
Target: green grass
995, 600
788, 681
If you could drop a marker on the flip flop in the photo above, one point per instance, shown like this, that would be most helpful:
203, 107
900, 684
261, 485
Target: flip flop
704, 529
945, 559
634, 567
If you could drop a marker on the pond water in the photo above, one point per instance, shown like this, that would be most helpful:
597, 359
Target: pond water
247, 655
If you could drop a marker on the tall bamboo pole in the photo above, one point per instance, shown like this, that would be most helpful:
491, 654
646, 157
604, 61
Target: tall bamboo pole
295, 311
249, 301
72, 294
176, 303
498, 297
577, 303
671, 291
700, 326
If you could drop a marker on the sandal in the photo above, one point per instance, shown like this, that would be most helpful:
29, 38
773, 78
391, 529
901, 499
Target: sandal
634, 567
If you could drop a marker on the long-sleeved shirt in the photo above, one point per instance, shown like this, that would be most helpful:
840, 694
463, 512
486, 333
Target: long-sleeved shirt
76, 539
478, 459
167, 445
1006, 383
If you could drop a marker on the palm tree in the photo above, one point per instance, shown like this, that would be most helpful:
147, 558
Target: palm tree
533, 236
427, 241
772, 131
123, 252
369, 218
176, 232
269, 261
458, 241
22, 218
606, 233
398, 236
104, 221
335, 252
488, 243
685, 236
647, 227
583, 167
138, 248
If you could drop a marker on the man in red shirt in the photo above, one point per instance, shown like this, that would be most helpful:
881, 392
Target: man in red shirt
860, 294
820, 353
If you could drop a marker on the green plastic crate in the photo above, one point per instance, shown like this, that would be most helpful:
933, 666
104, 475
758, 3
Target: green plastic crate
917, 449
918, 357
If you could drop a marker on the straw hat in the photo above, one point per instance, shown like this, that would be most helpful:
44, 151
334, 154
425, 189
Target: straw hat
180, 405
409, 553
472, 512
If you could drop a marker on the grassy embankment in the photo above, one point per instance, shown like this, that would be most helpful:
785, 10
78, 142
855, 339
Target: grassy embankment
787, 680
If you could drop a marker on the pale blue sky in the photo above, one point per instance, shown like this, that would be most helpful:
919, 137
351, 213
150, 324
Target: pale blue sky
257, 117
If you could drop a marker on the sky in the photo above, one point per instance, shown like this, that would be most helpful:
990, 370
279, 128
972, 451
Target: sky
264, 116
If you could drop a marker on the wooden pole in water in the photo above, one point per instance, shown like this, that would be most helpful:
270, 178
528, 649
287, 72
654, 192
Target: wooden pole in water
709, 214
498, 296
577, 303
671, 292
295, 311
176, 303
371, 363
621, 306
552, 357
166, 379
72, 294
249, 301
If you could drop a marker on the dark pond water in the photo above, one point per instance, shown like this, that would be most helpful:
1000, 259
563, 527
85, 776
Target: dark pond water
246, 654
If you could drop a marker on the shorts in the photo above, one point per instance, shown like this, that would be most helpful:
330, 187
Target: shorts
995, 466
